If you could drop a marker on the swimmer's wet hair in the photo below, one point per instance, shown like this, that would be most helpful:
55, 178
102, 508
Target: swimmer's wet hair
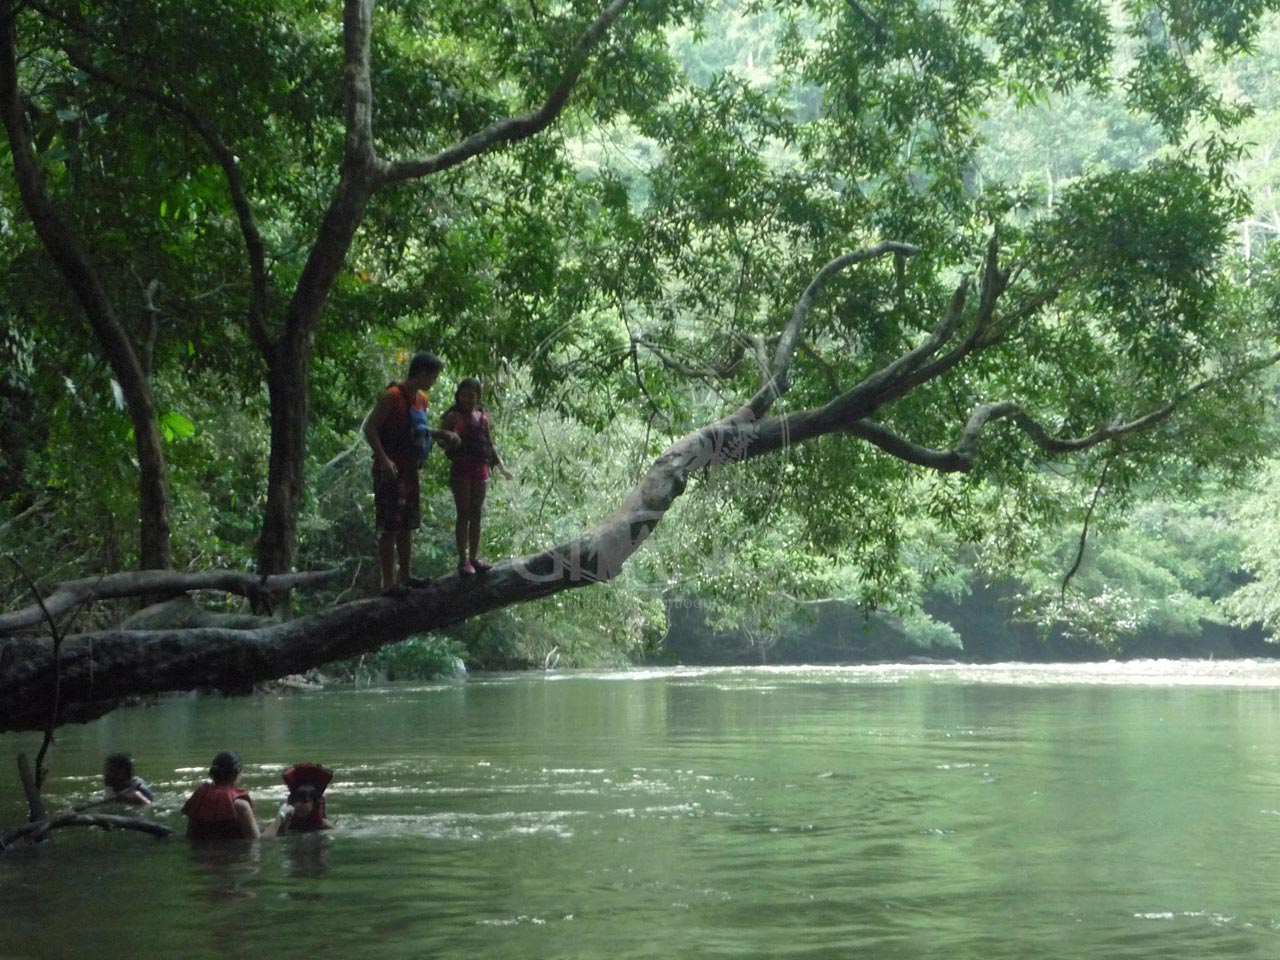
225, 766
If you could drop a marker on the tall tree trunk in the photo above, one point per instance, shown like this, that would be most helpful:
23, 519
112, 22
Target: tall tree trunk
289, 391
61, 244
289, 369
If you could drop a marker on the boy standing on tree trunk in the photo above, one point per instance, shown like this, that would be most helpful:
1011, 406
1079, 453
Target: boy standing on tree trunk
397, 431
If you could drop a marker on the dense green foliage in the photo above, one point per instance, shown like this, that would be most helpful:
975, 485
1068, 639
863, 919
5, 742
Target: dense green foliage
615, 278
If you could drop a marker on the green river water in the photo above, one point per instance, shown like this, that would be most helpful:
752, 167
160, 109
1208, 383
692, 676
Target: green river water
1089, 811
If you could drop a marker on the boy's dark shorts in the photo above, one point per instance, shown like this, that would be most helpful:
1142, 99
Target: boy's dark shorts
396, 505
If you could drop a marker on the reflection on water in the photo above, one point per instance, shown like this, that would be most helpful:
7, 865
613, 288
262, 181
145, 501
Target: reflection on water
1009, 811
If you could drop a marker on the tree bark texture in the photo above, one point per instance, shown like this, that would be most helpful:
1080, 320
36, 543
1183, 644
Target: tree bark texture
73, 593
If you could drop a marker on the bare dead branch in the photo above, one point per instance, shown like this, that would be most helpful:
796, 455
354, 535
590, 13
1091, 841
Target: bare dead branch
39, 830
38, 505
339, 459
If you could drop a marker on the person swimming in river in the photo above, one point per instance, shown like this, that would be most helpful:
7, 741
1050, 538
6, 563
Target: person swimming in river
219, 809
469, 471
122, 786
304, 811
299, 814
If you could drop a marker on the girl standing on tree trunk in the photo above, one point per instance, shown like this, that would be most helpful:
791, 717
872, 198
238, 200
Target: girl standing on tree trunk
469, 471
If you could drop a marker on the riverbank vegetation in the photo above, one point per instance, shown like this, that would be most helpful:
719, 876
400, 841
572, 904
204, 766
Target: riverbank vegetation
849, 305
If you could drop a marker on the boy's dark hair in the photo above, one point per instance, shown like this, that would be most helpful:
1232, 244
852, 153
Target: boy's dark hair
122, 762
224, 768
425, 363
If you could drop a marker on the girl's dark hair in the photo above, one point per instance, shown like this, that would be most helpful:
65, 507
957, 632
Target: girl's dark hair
425, 363
463, 384
225, 766
122, 762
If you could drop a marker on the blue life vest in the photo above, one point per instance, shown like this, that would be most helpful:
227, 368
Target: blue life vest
421, 431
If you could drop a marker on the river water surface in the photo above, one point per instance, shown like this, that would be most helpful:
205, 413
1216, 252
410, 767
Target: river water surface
1089, 811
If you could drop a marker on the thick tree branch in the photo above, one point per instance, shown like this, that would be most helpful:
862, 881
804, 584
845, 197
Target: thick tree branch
355, 185
512, 129
357, 84
72, 593
878, 386
779, 381
959, 459
288, 359
912, 369
876, 26
986, 333
944, 461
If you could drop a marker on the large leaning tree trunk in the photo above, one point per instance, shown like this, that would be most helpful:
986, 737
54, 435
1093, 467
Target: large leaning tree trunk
64, 249
95, 670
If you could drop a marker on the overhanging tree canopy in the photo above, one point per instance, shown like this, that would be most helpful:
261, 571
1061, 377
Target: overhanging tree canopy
979, 339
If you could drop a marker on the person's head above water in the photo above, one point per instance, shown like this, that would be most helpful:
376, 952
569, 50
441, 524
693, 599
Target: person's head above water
303, 800
117, 771
225, 767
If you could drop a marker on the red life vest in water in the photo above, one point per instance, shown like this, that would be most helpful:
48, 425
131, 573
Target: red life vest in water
211, 812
